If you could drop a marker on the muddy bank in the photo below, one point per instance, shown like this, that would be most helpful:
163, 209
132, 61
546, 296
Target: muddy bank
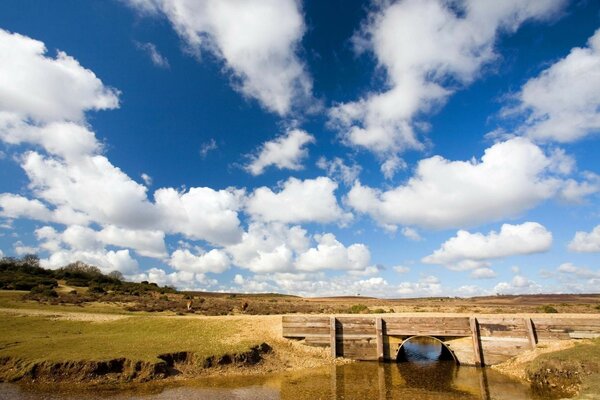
122, 370
559, 370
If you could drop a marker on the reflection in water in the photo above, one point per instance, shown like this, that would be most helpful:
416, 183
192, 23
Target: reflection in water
363, 380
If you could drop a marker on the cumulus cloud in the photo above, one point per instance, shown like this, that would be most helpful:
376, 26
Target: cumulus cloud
518, 285
215, 261
331, 254
310, 200
157, 59
483, 273
46, 89
526, 238
183, 280
411, 233
578, 272
256, 39
284, 152
106, 261
269, 247
511, 177
276, 247
582, 242
314, 284
77, 237
427, 49
201, 213
563, 102
340, 171
429, 285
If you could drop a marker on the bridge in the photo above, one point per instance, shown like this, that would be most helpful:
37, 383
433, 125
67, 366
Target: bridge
470, 339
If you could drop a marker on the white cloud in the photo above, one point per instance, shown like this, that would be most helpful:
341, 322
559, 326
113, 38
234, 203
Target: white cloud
563, 102
82, 238
518, 285
148, 243
526, 238
201, 213
45, 89
311, 200
157, 59
411, 233
21, 249
183, 280
269, 247
107, 261
401, 269
426, 286
315, 284
257, 40
331, 254
338, 170
585, 242
276, 248
284, 152
391, 165
483, 273
207, 147
215, 261
579, 272
15, 206
427, 49
512, 177
147, 179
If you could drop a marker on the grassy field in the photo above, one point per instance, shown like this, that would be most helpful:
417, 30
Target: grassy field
142, 338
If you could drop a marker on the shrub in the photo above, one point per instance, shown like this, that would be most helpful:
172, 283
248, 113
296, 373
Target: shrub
358, 309
548, 309
43, 291
97, 289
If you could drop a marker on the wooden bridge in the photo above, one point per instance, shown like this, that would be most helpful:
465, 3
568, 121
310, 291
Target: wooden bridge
471, 340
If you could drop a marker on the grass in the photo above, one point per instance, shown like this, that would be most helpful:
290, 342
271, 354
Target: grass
137, 338
584, 357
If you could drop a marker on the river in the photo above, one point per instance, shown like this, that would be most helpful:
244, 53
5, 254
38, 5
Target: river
422, 377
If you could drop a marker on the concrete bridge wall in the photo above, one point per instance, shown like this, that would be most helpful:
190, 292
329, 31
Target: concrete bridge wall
474, 340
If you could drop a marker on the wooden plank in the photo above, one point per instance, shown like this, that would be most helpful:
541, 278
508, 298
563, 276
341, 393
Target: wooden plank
332, 337
475, 335
379, 332
530, 333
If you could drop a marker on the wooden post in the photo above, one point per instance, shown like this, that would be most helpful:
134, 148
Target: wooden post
476, 341
332, 337
530, 333
379, 332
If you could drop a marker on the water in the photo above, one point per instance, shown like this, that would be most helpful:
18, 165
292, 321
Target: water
425, 377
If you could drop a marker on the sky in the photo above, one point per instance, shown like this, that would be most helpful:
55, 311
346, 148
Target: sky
380, 148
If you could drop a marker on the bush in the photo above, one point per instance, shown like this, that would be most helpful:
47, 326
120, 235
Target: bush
97, 289
548, 309
43, 291
358, 309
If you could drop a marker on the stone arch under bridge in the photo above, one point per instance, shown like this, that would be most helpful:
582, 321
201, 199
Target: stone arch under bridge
472, 339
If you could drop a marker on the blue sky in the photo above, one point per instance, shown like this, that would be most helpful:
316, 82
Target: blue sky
388, 148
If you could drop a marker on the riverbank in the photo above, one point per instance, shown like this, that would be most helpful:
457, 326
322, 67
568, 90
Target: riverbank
567, 369
91, 348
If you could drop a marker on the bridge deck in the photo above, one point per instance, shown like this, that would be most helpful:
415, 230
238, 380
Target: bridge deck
473, 339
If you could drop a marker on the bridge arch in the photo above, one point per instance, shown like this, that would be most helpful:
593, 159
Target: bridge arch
445, 352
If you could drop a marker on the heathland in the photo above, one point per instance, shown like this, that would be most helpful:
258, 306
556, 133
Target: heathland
76, 325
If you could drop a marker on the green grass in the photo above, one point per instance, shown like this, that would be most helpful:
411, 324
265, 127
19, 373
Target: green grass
584, 355
137, 338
